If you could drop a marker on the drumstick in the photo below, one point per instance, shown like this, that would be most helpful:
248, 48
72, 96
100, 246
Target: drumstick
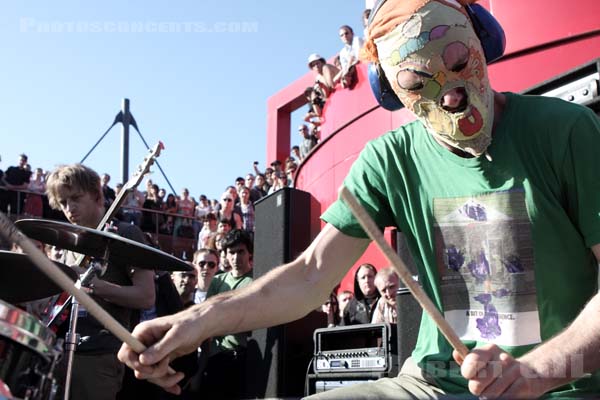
11, 233
375, 234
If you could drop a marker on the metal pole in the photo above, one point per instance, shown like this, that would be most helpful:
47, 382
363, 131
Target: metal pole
125, 142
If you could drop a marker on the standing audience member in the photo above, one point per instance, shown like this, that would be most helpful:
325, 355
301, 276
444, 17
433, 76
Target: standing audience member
185, 208
349, 57
131, 207
255, 194
316, 101
365, 20
308, 141
295, 152
169, 207
247, 209
261, 185
332, 309
203, 208
360, 309
324, 75
107, 191
387, 283
224, 374
228, 212
208, 231
232, 191
33, 201
185, 282
206, 262
76, 191
151, 219
224, 265
290, 171
16, 178
344, 298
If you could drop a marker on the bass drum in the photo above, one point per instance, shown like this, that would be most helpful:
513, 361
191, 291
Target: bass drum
28, 354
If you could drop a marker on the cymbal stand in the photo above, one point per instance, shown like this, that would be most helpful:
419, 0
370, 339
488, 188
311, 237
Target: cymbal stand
96, 268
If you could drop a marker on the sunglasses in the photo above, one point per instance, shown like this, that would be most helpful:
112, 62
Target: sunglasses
227, 199
210, 264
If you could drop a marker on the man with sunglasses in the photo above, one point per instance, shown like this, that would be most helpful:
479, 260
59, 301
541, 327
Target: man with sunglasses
349, 56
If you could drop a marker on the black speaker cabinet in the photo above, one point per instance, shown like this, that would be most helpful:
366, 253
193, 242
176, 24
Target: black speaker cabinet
409, 320
409, 310
278, 357
282, 228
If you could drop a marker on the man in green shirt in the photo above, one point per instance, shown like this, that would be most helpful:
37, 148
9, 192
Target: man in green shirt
499, 198
224, 374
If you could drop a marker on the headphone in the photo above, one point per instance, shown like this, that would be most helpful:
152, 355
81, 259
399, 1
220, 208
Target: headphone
487, 28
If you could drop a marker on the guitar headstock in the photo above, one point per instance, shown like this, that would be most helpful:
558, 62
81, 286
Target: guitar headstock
144, 167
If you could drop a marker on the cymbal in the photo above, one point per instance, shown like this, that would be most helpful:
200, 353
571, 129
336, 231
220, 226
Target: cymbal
21, 280
95, 243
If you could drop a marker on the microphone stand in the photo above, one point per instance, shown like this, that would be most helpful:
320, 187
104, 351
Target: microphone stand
97, 268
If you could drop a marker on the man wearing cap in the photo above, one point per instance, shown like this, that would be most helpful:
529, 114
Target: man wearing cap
498, 196
324, 74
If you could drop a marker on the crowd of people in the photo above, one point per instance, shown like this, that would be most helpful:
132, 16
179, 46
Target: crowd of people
22, 192
373, 299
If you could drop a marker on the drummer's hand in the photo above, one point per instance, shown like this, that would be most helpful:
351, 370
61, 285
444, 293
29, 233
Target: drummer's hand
167, 338
493, 373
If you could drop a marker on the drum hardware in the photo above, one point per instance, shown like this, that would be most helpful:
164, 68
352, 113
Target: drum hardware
97, 268
29, 352
22, 281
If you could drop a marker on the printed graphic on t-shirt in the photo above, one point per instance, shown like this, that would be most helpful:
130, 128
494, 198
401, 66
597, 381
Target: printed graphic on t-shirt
484, 254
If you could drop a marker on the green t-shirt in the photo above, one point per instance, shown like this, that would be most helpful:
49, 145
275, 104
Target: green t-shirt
224, 283
502, 247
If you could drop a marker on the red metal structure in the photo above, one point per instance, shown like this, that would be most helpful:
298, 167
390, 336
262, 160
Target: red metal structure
545, 38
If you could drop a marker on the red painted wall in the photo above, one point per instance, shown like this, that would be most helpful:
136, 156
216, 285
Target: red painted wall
544, 38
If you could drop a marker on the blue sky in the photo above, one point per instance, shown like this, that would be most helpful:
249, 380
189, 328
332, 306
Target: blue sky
197, 73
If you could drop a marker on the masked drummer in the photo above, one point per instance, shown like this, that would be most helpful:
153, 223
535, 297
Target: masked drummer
499, 197
97, 374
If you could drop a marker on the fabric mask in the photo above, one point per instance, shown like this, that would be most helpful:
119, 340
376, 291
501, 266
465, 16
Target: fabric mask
428, 55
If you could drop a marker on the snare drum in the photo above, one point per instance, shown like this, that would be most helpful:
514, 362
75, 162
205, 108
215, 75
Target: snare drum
28, 354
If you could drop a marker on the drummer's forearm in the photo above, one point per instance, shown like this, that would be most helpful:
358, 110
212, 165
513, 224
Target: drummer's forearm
286, 293
572, 352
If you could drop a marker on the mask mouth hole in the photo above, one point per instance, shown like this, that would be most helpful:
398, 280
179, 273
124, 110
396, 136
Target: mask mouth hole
462, 106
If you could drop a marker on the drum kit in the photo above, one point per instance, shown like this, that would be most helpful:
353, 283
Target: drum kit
29, 349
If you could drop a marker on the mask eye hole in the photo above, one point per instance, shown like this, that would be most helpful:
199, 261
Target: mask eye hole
456, 56
413, 80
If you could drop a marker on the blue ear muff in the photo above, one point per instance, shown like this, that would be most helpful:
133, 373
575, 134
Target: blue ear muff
382, 90
488, 30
